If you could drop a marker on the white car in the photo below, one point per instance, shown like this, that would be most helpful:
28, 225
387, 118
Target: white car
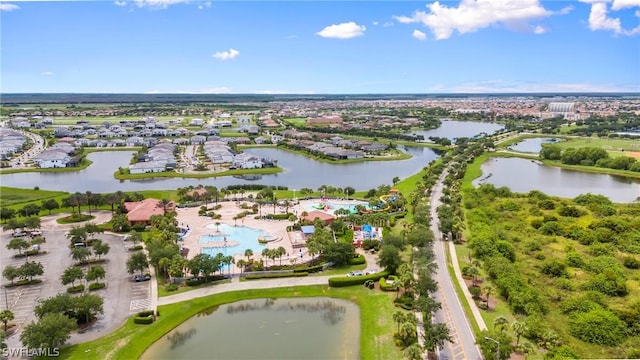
355, 273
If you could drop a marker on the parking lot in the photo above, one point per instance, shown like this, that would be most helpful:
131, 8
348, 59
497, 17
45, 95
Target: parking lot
122, 296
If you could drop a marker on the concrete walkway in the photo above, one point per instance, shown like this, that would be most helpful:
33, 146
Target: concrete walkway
236, 284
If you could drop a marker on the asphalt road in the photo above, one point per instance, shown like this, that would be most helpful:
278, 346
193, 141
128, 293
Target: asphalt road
452, 313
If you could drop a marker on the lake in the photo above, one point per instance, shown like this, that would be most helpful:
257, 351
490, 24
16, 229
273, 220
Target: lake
452, 129
293, 328
524, 175
532, 145
299, 172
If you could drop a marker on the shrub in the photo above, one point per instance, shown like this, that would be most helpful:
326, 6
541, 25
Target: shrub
143, 320
310, 269
145, 313
75, 289
384, 286
358, 260
554, 268
273, 276
136, 248
171, 287
599, 327
341, 281
475, 292
631, 262
97, 286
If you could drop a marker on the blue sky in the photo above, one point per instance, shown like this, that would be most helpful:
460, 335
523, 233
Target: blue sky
178, 46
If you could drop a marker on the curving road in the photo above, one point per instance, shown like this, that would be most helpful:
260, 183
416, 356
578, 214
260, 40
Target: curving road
452, 313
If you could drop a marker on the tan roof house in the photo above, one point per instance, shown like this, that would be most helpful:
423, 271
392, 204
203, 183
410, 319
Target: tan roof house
140, 212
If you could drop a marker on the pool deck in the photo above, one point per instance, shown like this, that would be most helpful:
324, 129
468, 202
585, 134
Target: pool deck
278, 228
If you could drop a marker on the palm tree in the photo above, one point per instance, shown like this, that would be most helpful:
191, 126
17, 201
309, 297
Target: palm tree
5, 317
474, 272
398, 317
488, 290
518, 327
248, 253
500, 322
165, 205
280, 251
217, 227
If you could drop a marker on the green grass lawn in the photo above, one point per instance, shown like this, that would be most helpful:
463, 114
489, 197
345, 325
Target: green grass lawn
605, 143
296, 121
13, 196
131, 340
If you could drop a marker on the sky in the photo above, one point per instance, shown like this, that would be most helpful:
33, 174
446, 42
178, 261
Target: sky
320, 47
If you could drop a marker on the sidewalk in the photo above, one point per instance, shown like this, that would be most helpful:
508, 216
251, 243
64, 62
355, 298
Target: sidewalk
236, 284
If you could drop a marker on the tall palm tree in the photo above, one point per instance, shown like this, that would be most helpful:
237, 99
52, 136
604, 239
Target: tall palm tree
500, 322
488, 290
248, 253
518, 327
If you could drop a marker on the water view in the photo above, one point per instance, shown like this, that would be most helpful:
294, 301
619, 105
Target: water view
299, 172
304, 328
522, 175
532, 145
452, 129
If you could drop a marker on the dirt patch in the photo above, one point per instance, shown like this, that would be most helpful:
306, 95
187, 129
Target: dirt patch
633, 154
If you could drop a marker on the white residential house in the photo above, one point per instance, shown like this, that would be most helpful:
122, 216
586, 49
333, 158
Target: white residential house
52, 158
196, 122
147, 167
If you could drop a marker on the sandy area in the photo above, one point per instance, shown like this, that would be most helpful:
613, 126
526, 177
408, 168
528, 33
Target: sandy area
633, 154
278, 229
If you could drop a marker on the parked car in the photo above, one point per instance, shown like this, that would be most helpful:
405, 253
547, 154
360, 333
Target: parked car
19, 234
139, 278
355, 273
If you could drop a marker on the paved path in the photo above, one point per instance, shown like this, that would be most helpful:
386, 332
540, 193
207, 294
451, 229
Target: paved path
236, 284
452, 313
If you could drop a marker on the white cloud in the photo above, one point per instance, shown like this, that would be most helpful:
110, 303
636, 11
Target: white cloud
204, 5
539, 30
598, 19
565, 10
388, 24
120, 3
500, 86
8, 7
621, 4
218, 90
226, 55
375, 23
47, 73
346, 30
157, 4
419, 35
472, 15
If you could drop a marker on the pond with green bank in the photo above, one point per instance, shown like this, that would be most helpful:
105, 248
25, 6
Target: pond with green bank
286, 328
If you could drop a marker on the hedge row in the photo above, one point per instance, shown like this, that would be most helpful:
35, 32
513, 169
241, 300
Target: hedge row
355, 280
200, 281
143, 320
359, 260
145, 313
75, 289
97, 286
310, 269
271, 276
388, 287
278, 216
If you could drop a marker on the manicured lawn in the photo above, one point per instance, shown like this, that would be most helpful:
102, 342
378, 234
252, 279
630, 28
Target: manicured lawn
163, 292
204, 174
131, 340
296, 122
12, 196
605, 143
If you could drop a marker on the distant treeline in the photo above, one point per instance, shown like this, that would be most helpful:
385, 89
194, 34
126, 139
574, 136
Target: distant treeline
70, 98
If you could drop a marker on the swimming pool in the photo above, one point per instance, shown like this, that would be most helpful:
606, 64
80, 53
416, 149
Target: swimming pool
331, 207
239, 239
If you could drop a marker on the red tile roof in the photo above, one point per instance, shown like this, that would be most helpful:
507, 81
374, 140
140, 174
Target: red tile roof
140, 211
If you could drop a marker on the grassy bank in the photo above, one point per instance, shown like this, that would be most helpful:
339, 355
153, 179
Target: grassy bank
14, 196
399, 155
173, 174
131, 340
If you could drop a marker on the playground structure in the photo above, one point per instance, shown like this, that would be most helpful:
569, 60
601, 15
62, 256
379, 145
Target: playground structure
386, 201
